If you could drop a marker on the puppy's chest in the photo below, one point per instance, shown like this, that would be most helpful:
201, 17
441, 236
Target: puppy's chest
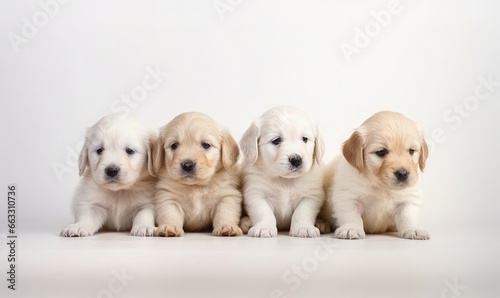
283, 199
198, 200
199, 207
121, 209
378, 208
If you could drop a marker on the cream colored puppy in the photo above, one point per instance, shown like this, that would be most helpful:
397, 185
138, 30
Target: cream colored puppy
282, 178
199, 183
375, 186
116, 190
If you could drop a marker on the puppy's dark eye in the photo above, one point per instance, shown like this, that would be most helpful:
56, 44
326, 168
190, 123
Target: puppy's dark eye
412, 151
205, 145
381, 153
305, 139
174, 146
99, 150
276, 141
129, 151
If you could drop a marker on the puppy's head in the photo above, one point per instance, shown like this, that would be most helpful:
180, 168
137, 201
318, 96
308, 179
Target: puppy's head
117, 151
284, 141
388, 148
192, 148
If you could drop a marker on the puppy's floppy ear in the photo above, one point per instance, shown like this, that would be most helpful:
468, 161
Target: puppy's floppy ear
424, 150
424, 153
229, 149
353, 151
83, 159
151, 143
158, 154
250, 142
319, 149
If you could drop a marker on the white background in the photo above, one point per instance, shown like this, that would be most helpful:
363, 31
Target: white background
426, 60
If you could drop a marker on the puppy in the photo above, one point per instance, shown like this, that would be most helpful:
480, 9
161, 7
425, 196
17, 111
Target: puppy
282, 179
199, 183
116, 190
375, 185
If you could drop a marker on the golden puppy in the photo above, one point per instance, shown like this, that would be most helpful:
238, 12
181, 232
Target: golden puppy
199, 183
375, 186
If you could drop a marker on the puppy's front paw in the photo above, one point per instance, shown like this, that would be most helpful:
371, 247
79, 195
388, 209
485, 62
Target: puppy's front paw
263, 231
304, 232
245, 224
143, 231
415, 235
323, 226
349, 233
76, 230
169, 231
227, 230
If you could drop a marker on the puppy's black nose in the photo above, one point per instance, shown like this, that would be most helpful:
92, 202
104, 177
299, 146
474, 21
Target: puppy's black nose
112, 171
401, 175
187, 166
295, 161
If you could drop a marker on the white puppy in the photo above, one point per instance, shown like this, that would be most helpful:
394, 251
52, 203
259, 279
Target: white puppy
282, 185
199, 182
375, 186
116, 190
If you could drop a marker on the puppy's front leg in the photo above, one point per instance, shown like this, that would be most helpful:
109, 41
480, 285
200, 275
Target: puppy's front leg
347, 213
406, 217
304, 217
262, 215
144, 221
227, 217
89, 219
170, 218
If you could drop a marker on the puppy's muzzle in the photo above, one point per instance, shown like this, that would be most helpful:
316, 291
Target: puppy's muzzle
112, 171
295, 161
188, 167
402, 175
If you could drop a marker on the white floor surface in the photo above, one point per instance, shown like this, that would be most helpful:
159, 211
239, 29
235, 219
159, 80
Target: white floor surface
456, 262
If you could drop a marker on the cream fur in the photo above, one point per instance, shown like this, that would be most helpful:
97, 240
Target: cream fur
277, 195
209, 198
124, 203
365, 194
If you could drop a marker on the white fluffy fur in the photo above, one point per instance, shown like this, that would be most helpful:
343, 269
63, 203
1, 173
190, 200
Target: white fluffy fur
276, 194
123, 202
209, 196
365, 194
